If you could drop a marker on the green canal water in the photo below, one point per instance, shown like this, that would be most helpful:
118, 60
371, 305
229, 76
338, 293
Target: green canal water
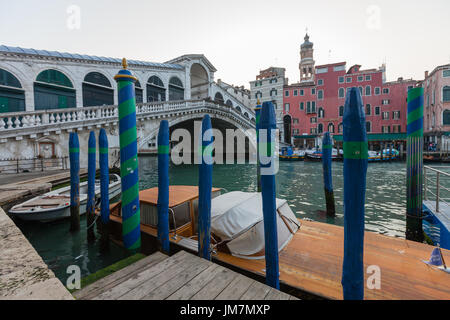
298, 182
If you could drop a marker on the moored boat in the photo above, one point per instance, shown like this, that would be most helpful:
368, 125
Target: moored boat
288, 154
55, 205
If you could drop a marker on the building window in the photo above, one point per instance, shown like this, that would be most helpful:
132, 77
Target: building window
308, 107
295, 121
341, 111
368, 126
320, 82
446, 118
258, 95
341, 80
321, 113
341, 93
331, 127
446, 94
295, 131
340, 128
339, 68
313, 106
302, 92
377, 111
286, 107
348, 79
368, 78
273, 80
321, 70
399, 128
313, 120
313, 91
446, 73
313, 131
385, 90
385, 115
396, 115
320, 128
377, 91
302, 105
368, 91
360, 78
385, 102
319, 94
386, 129
286, 93
368, 109
273, 92
295, 93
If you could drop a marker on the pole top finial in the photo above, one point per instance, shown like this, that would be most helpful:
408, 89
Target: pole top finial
124, 63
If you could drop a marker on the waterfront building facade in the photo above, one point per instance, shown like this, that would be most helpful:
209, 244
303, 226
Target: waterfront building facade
437, 107
315, 104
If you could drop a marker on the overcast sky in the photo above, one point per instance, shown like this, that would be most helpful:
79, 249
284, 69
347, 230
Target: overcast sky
239, 37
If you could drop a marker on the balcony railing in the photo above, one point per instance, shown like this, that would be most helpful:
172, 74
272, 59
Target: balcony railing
436, 185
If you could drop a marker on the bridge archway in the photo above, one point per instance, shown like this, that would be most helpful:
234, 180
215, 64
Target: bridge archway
199, 82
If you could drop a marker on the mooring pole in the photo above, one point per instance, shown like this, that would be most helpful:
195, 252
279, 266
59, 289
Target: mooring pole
258, 167
163, 186
90, 205
74, 157
131, 227
104, 189
355, 169
414, 165
269, 167
204, 189
327, 149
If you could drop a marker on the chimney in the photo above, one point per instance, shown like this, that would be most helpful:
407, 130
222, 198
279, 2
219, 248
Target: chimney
400, 79
426, 74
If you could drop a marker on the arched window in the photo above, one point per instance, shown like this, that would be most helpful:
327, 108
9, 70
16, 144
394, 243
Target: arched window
368, 90
97, 90
446, 118
341, 111
319, 128
273, 92
258, 94
331, 127
446, 94
219, 98
238, 109
12, 96
155, 90
340, 127
139, 93
321, 113
176, 89
341, 93
229, 103
53, 90
246, 115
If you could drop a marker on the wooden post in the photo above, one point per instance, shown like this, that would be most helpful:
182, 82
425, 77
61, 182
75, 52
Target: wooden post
258, 167
90, 205
269, 167
204, 189
401, 150
163, 186
381, 150
131, 223
74, 156
355, 169
327, 148
414, 165
104, 190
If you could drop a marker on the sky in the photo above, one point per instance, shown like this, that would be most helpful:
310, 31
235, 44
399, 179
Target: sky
240, 38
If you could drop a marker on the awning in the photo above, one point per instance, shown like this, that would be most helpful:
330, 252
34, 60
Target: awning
378, 136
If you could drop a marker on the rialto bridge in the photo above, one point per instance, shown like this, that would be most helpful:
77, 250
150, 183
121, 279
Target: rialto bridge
46, 95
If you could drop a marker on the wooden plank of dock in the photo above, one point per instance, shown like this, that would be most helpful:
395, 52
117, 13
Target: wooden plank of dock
312, 263
181, 276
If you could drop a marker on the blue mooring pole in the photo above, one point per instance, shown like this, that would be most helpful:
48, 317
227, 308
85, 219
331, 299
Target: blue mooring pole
355, 169
327, 149
258, 168
204, 189
163, 186
74, 157
266, 139
104, 189
90, 205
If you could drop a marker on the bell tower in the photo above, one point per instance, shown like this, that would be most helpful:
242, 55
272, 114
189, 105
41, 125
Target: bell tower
306, 65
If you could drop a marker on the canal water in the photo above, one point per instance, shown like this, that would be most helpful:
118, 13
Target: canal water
300, 183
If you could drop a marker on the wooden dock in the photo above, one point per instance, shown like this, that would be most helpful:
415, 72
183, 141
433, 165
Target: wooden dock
182, 276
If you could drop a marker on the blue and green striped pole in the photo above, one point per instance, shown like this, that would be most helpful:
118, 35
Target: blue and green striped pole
327, 149
355, 169
267, 160
74, 158
131, 228
258, 168
104, 189
90, 205
414, 165
163, 186
204, 189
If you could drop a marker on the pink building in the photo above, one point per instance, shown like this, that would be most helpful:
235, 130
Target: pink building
384, 102
437, 106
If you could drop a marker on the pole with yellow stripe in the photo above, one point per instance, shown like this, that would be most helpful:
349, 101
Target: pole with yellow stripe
355, 169
414, 165
131, 232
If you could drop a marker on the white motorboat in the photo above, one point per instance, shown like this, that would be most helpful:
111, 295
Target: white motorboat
55, 205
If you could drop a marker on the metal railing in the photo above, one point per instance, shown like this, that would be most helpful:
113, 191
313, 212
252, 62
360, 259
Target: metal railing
33, 164
435, 185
